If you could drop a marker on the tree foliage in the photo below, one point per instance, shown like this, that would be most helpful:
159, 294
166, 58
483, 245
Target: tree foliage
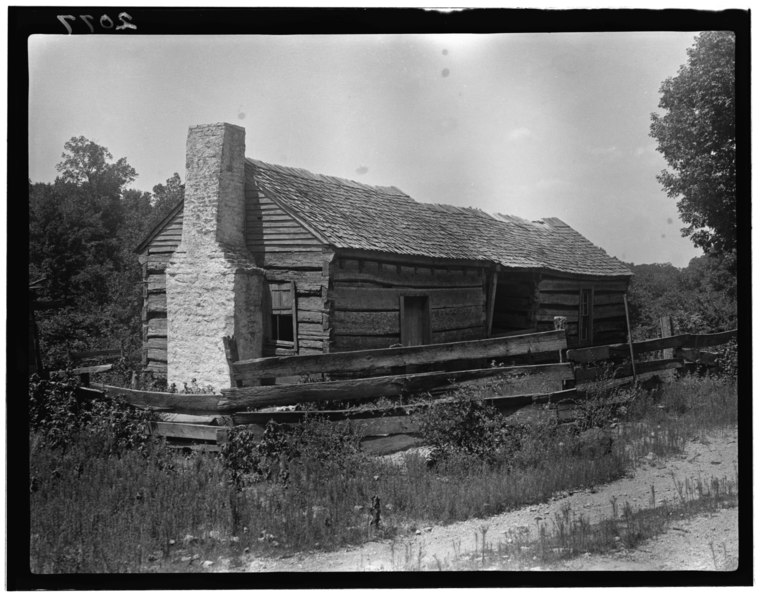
83, 229
701, 298
696, 135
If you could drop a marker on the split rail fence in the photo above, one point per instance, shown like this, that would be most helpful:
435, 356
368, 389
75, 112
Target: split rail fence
501, 371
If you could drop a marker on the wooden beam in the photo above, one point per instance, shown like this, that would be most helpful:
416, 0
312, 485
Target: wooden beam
167, 402
491, 303
389, 444
96, 353
182, 430
509, 403
364, 360
621, 350
388, 299
591, 374
92, 369
385, 386
667, 330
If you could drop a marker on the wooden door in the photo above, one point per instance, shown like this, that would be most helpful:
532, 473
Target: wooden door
415, 320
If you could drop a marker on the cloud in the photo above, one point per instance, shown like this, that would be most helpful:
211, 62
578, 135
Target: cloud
520, 133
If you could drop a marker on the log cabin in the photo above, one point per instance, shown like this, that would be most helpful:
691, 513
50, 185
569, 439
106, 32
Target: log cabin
291, 262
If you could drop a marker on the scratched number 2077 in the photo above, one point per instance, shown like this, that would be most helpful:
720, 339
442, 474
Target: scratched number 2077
125, 22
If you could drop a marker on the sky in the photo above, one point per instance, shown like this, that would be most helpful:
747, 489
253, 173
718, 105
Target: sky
533, 125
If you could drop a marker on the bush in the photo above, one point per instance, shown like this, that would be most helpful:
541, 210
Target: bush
60, 415
315, 447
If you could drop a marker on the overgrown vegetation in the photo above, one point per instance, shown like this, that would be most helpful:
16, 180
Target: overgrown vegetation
83, 229
126, 503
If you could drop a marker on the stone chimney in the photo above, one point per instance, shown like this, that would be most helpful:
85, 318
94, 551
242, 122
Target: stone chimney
214, 288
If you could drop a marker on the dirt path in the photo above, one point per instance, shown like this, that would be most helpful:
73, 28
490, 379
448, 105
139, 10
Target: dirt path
684, 546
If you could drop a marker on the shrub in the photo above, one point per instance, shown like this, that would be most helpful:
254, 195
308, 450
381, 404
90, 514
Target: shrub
60, 415
315, 447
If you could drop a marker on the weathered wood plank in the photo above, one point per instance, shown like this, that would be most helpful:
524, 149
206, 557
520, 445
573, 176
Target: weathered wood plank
92, 369
505, 404
388, 299
291, 259
182, 430
560, 299
390, 444
348, 343
156, 343
366, 323
601, 299
156, 303
584, 375
614, 285
364, 360
312, 316
621, 350
157, 327
157, 263
307, 277
157, 355
156, 367
164, 250
156, 283
114, 352
458, 335
385, 386
167, 402
440, 278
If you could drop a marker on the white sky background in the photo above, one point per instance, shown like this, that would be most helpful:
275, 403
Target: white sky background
533, 125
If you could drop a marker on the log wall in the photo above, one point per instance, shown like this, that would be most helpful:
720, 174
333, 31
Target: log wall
365, 301
154, 260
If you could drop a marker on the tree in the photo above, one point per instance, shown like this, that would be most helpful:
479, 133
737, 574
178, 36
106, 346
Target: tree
696, 135
166, 196
82, 232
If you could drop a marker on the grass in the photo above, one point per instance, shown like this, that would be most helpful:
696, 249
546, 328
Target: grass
156, 510
574, 535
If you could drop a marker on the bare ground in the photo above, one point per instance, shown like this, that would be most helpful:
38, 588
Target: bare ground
705, 542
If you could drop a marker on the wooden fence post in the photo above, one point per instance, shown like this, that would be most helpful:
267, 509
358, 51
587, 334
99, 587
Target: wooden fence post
231, 356
631, 343
561, 324
667, 330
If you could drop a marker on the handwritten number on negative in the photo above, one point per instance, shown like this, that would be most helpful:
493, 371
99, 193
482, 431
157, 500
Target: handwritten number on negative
106, 22
124, 18
63, 19
88, 21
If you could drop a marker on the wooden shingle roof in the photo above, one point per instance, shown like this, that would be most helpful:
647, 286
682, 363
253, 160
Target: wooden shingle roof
352, 215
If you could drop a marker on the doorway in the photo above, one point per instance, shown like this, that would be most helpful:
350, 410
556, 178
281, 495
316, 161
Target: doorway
415, 320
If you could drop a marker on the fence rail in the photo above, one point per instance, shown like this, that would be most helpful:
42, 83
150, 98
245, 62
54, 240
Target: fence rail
385, 430
365, 361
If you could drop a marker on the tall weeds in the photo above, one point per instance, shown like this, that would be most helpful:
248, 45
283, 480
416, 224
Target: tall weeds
149, 508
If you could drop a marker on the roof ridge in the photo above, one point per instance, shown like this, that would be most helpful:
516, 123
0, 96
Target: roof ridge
310, 175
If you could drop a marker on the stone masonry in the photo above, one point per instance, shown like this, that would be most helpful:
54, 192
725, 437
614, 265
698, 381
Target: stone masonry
214, 288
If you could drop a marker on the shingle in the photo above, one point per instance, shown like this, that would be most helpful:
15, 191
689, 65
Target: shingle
353, 215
